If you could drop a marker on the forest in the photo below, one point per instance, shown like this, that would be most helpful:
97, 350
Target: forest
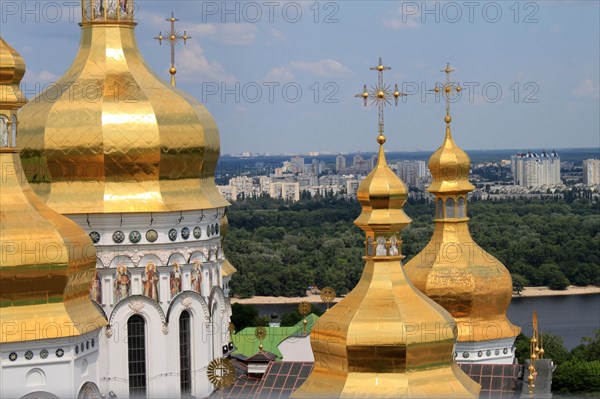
281, 248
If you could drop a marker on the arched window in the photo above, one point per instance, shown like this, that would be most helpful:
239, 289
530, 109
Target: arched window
185, 360
439, 210
13, 139
4, 133
450, 208
136, 355
461, 207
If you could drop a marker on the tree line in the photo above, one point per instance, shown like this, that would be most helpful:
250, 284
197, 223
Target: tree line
280, 248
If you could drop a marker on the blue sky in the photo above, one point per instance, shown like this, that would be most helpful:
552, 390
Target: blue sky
531, 70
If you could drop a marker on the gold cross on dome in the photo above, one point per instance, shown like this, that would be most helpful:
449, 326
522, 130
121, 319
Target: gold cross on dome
381, 94
173, 36
447, 88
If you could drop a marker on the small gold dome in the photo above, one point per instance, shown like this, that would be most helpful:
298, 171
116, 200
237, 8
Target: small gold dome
382, 195
450, 167
111, 136
12, 70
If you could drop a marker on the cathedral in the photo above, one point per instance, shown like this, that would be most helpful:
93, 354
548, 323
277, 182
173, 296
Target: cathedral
114, 197
114, 282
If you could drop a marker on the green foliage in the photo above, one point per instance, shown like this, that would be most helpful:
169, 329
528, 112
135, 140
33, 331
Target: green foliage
589, 349
280, 248
519, 283
243, 316
292, 318
522, 351
576, 376
554, 348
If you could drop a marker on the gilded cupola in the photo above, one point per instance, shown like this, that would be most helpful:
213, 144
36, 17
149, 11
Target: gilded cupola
452, 269
110, 136
48, 262
385, 338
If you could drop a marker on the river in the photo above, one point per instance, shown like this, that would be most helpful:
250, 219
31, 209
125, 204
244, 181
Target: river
570, 316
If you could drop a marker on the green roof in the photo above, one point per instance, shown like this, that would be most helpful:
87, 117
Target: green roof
247, 344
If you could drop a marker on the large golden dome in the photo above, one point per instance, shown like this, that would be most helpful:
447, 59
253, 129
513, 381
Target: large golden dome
48, 262
452, 269
12, 70
110, 136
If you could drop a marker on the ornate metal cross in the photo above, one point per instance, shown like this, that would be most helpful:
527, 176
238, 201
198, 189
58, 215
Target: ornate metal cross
173, 37
381, 94
447, 88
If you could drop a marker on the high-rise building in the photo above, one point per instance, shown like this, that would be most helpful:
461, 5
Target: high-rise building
297, 164
137, 175
340, 163
536, 170
591, 172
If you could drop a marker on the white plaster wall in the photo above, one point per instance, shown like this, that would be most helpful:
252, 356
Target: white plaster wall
296, 349
500, 351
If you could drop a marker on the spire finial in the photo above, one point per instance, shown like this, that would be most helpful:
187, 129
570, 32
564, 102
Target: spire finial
173, 36
380, 95
447, 88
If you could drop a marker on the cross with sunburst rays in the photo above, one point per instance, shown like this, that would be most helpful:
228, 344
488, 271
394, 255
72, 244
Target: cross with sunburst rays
173, 36
381, 94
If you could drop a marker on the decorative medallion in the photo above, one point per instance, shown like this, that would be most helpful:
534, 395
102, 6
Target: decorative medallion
505, 351
118, 236
93, 343
221, 372
172, 234
304, 308
76, 349
212, 230
87, 345
260, 333
208, 231
29, 355
43, 353
217, 228
187, 302
465, 355
135, 236
488, 353
95, 237
185, 233
151, 235
60, 352
497, 352
82, 346
13, 356
479, 354
136, 306
197, 232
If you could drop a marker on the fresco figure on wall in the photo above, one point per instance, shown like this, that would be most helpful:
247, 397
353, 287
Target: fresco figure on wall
175, 280
196, 277
122, 283
150, 281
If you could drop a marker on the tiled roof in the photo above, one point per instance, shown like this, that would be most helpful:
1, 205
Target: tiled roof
498, 381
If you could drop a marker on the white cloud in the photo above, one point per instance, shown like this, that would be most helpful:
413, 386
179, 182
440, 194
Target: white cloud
281, 74
324, 68
586, 88
278, 35
41, 77
231, 33
402, 19
193, 62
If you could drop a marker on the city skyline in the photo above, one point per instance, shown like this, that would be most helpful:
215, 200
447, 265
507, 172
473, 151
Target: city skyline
240, 70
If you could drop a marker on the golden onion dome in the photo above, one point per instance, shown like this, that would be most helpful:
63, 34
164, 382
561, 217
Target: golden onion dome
450, 167
48, 262
111, 136
382, 196
471, 284
12, 70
